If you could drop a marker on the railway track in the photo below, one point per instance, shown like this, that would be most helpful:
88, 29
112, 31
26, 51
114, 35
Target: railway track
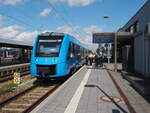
26, 100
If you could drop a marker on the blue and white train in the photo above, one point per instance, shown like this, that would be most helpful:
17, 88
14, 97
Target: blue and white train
56, 55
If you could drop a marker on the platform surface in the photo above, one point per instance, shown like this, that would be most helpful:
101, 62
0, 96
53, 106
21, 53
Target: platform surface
85, 92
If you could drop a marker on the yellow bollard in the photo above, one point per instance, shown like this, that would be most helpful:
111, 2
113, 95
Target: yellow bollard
17, 78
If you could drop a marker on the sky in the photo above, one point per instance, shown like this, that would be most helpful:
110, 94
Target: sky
23, 20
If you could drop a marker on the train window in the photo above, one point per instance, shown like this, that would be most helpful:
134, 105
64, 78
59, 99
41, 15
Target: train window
77, 50
136, 26
81, 52
48, 47
71, 50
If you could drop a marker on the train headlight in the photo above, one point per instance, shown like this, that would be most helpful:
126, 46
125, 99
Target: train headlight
36, 60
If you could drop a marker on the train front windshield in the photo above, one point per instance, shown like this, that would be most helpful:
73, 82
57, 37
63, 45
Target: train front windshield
48, 46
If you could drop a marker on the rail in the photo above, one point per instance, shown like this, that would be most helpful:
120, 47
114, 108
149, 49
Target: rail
25, 101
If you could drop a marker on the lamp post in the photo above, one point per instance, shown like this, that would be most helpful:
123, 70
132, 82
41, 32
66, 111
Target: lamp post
108, 45
115, 59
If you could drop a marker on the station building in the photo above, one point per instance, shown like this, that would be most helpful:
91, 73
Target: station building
13, 52
139, 43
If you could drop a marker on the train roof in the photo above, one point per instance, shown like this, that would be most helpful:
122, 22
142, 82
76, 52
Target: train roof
63, 35
78, 42
51, 34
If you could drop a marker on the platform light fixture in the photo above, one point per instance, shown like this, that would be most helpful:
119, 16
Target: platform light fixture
105, 17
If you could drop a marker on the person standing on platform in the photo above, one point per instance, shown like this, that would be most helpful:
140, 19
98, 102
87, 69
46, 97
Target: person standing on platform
96, 60
86, 59
0, 61
101, 60
90, 57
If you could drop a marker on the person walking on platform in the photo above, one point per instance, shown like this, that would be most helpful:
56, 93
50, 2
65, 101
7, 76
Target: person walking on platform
96, 60
90, 58
0, 61
101, 61
86, 60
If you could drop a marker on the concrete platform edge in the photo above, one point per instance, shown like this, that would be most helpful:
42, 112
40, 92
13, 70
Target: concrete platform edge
127, 102
54, 93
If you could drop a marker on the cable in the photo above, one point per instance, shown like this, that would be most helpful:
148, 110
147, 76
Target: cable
62, 17
18, 20
24, 14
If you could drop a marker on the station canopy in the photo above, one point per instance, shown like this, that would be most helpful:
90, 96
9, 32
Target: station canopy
122, 36
15, 44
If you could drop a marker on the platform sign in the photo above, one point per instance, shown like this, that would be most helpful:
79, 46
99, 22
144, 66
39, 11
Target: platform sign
103, 37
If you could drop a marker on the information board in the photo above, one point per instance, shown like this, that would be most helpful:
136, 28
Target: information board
103, 37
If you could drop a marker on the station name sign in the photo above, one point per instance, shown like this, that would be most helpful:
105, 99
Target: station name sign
103, 37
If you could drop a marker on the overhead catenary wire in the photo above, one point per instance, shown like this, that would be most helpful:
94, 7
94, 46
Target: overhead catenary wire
62, 17
24, 14
39, 28
67, 15
17, 20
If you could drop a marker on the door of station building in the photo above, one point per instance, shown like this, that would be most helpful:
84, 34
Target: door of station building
147, 57
148, 52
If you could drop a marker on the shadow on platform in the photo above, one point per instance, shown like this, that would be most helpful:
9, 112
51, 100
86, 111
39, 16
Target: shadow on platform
50, 82
100, 67
117, 105
115, 111
140, 84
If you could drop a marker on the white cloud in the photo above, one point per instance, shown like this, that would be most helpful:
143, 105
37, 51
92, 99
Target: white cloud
56, 0
87, 40
80, 2
84, 35
73, 3
67, 29
27, 36
91, 29
18, 33
10, 32
45, 12
10, 2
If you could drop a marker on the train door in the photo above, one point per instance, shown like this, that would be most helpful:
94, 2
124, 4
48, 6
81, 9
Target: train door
147, 56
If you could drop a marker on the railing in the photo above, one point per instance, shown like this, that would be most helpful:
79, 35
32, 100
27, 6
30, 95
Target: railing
7, 72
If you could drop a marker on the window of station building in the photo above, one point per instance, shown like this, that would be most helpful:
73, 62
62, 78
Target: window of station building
132, 29
136, 27
127, 30
146, 30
